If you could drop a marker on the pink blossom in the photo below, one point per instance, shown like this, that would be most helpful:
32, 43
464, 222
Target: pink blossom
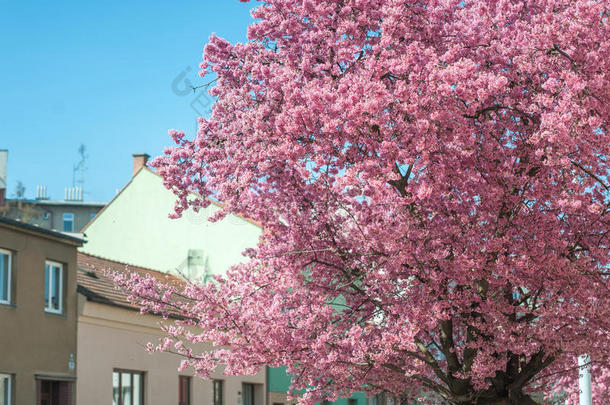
432, 180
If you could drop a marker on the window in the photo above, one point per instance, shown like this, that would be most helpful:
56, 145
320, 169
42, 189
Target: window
217, 388
247, 394
53, 287
378, 399
68, 222
5, 389
127, 387
52, 392
5, 276
184, 390
351, 401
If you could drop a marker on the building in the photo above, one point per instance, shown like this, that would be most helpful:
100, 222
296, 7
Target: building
61, 215
68, 215
278, 384
112, 362
134, 228
38, 314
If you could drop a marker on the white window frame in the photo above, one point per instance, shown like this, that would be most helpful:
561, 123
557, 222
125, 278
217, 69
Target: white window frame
218, 386
251, 387
67, 216
9, 377
48, 306
132, 373
8, 278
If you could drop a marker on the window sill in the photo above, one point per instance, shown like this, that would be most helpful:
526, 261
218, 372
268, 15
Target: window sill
61, 314
7, 304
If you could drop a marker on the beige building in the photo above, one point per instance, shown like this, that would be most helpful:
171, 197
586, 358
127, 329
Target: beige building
38, 312
113, 365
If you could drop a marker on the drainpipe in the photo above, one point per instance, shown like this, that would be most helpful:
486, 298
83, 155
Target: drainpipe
584, 379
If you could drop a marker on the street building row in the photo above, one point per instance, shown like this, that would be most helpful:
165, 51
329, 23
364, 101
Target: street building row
67, 336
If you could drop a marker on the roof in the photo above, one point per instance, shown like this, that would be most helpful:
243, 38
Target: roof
76, 203
41, 231
97, 287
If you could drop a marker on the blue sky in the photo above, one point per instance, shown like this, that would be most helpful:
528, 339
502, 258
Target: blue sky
108, 75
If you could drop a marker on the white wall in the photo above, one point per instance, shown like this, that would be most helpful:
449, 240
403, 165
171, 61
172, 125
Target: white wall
134, 228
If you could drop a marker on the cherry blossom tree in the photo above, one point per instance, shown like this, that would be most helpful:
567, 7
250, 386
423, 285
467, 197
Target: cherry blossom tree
432, 181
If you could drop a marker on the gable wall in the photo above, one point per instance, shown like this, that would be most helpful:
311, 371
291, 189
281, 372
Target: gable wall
134, 228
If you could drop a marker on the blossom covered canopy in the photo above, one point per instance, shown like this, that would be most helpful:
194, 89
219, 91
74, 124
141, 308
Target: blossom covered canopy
432, 180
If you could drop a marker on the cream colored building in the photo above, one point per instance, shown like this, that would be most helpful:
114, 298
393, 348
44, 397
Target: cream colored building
113, 366
134, 228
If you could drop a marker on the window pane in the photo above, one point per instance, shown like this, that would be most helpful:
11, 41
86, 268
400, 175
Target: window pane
4, 276
218, 392
53, 287
116, 386
137, 389
184, 390
5, 389
56, 289
47, 271
68, 223
248, 394
126, 388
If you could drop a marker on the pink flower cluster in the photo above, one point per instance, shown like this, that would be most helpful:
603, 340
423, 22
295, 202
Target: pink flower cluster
432, 180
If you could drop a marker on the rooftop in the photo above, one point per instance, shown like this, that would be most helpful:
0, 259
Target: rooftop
42, 231
60, 202
151, 171
96, 286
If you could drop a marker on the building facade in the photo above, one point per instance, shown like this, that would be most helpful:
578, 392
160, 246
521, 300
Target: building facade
60, 215
114, 367
68, 215
38, 315
278, 384
135, 228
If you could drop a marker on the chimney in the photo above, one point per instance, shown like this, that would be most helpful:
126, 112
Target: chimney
41, 193
3, 165
139, 161
73, 194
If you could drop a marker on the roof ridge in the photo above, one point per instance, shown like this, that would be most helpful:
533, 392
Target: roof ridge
121, 263
102, 289
219, 204
40, 230
145, 168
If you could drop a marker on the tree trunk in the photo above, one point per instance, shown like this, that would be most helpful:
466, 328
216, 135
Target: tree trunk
524, 400
514, 399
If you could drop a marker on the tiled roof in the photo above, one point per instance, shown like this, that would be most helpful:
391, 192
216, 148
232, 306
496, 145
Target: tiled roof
97, 287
